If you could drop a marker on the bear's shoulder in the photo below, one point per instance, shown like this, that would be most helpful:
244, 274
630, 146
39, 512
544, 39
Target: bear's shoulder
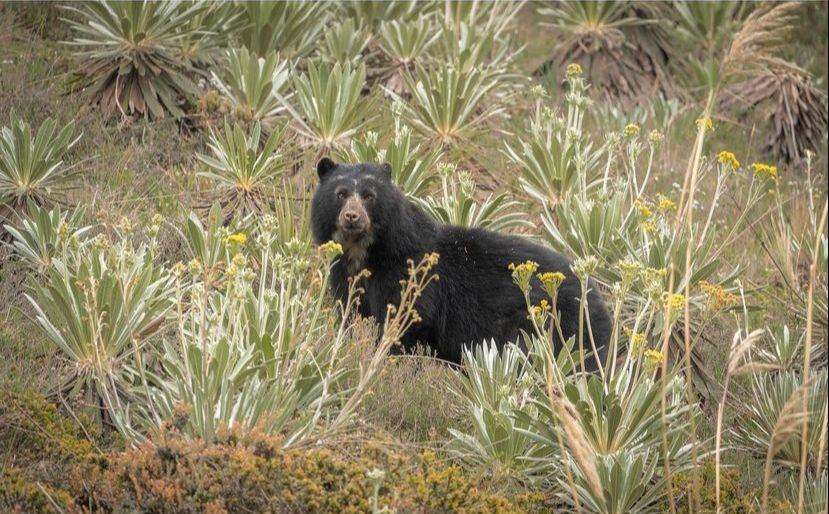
485, 248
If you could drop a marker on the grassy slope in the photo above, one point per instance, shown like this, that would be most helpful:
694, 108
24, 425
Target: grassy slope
139, 169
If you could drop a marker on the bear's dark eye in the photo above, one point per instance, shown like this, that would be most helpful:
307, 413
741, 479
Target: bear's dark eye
368, 195
341, 194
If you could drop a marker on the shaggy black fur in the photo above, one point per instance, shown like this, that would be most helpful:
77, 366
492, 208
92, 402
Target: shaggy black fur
474, 299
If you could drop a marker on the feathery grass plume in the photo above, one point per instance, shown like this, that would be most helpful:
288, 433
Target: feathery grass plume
780, 91
788, 102
786, 427
807, 359
764, 431
764, 32
708, 26
740, 346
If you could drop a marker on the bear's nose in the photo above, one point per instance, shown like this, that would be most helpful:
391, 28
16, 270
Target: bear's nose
351, 216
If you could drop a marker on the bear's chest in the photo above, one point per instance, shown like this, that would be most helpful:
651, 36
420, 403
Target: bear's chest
382, 289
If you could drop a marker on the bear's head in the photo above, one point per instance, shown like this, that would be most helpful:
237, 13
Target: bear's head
353, 205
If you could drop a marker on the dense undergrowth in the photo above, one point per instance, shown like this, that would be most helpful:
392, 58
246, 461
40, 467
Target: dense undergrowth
168, 343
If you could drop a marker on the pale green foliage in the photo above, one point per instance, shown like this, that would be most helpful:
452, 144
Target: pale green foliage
498, 438
771, 392
331, 107
205, 241
493, 376
595, 227
816, 493
495, 387
255, 349
208, 32
470, 47
629, 483
516, 427
448, 104
136, 57
243, 172
490, 17
375, 12
784, 350
44, 234
98, 305
254, 352
32, 166
405, 42
254, 85
411, 165
345, 42
291, 28
457, 206
557, 160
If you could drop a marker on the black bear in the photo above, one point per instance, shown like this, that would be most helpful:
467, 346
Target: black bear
474, 299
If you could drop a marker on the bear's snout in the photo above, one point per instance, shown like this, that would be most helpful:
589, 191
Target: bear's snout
353, 220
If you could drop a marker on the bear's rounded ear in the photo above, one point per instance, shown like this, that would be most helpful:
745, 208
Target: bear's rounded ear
324, 167
385, 171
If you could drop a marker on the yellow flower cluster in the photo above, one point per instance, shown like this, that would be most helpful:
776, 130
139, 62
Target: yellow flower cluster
653, 358
539, 310
522, 273
331, 249
765, 169
665, 204
178, 269
706, 124
631, 130
237, 266
675, 302
551, 280
573, 70
655, 137
643, 208
236, 239
637, 340
195, 266
717, 298
728, 159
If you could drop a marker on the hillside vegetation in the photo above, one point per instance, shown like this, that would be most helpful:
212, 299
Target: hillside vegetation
168, 343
